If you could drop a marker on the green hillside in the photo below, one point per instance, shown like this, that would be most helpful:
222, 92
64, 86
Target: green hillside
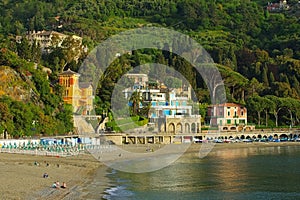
28, 105
257, 51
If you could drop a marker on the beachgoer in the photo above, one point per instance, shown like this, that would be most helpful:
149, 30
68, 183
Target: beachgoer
64, 185
54, 185
57, 184
45, 175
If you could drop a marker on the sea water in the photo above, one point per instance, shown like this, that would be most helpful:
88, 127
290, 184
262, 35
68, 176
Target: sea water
235, 173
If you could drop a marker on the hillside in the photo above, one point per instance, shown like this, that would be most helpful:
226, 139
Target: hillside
12, 85
27, 105
257, 51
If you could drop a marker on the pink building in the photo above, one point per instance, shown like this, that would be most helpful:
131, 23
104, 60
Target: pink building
228, 116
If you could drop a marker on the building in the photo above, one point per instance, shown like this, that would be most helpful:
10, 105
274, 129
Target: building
229, 117
275, 7
164, 101
47, 39
179, 124
79, 95
138, 79
170, 109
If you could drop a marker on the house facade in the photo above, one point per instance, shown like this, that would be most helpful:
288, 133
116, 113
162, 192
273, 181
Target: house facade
79, 95
46, 39
229, 117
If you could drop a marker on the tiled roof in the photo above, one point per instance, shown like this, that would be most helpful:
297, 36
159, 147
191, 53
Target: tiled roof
69, 72
228, 105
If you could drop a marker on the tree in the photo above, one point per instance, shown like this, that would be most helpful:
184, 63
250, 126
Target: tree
268, 106
282, 89
277, 105
265, 79
6, 117
292, 105
135, 100
255, 87
36, 52
24, 49
203, 111
271, 78
256, 104
235, 82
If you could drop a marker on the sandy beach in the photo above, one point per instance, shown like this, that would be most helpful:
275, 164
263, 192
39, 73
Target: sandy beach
21, 178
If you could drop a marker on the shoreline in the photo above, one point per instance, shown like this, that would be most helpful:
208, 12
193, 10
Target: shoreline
23, 178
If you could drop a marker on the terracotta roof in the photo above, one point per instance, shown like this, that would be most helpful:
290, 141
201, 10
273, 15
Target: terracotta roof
69, 72
228, 105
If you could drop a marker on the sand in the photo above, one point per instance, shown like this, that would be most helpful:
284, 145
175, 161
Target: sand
22, 179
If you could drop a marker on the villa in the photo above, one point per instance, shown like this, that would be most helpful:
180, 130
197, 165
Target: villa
229, 117
47, 39
79, 95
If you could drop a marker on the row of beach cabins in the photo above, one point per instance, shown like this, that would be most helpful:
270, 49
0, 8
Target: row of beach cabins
46, 147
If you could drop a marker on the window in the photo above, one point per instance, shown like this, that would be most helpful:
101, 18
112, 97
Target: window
228, 121
67, 93
242, 113
228, 113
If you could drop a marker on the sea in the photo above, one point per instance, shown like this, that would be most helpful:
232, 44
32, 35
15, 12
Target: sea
262, 172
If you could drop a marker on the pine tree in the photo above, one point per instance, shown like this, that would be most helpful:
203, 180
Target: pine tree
265, 77
271, 78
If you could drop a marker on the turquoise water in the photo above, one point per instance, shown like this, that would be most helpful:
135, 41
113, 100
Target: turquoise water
240, 173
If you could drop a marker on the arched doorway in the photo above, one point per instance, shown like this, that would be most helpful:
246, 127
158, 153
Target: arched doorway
194, 128
187, 128
259, 136
171, 128
179, 128
283, 137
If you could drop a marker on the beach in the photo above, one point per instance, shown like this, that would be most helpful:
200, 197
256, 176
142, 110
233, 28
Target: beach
22, 175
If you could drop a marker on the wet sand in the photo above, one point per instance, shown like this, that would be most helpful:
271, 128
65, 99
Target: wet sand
22, 179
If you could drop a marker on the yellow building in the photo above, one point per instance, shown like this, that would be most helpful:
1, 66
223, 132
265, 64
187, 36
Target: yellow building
79, 95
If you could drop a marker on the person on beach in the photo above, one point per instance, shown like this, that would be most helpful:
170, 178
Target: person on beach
45, 175
64, 185
54, 185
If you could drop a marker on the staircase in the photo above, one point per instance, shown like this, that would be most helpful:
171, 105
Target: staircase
83, 127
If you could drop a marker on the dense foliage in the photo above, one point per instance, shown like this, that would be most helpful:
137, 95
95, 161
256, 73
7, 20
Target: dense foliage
42, 112
257, 51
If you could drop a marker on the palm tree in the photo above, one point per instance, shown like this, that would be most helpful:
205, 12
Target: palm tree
135, 99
